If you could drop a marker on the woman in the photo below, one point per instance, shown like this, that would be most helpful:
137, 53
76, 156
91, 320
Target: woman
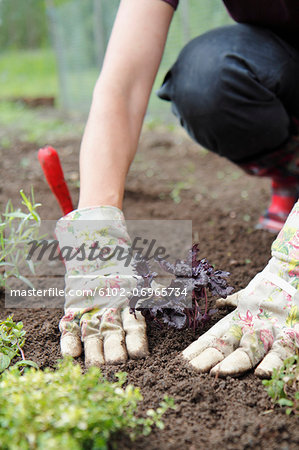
234, 90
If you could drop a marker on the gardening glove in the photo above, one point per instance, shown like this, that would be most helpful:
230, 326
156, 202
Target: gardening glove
231, 300
264, 329
92, 315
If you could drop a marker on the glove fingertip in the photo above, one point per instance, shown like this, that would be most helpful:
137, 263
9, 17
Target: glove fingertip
93, 349
137, 345
206, 360
70, 345
270, 362
114, 349
223, 302
235, 364
197, 347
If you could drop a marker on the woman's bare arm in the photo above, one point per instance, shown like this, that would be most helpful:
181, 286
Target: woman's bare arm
120, 100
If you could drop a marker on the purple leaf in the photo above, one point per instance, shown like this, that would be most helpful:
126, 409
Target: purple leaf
194, 276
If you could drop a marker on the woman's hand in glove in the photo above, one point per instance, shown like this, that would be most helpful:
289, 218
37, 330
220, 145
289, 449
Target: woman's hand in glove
264, 328
97, 289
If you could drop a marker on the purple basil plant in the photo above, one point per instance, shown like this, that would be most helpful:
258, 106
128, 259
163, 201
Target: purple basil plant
192, 277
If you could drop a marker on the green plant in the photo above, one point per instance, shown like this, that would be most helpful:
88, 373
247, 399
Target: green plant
283, 387
12, 339
17, 228
178, 187
65, 409
32, 126
28, 73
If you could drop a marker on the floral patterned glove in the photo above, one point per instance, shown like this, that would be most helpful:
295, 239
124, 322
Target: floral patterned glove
264, 329
97, 289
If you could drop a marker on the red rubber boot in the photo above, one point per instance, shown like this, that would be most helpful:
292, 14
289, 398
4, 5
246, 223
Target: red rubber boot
284, 196
282, 166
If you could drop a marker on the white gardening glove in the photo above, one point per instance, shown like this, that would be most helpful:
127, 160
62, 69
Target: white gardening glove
264, 328
101, 321
231, 300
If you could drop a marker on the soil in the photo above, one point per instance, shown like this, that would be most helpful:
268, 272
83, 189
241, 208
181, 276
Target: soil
224, 205
33, 102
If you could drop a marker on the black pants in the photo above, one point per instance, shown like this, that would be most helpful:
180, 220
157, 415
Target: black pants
235, 90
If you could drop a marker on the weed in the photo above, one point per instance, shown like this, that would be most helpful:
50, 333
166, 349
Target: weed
283, 387
178, 187
12, 339
17, 229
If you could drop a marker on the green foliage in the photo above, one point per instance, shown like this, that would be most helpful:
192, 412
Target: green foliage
12, 339
32, 126
283, 387
59, 2
23, 24
178, 187
28, 73
65, 409
17, 229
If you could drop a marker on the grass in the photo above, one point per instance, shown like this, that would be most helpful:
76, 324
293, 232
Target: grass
28, 73
31, 73
34, 73
39, 126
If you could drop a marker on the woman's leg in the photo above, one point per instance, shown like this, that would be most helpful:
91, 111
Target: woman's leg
234, 89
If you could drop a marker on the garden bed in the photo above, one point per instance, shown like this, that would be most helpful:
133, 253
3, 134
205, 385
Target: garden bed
172, 178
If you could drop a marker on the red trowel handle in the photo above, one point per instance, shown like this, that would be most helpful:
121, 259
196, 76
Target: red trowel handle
49, 160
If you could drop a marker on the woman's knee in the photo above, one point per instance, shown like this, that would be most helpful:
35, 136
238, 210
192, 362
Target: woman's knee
192, 82
219, 100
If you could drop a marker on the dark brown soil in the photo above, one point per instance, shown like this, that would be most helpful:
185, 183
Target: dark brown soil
34, 102
224, 205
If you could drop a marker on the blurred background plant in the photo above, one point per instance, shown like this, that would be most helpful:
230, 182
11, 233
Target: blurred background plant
283, 386
18, 228
55, 48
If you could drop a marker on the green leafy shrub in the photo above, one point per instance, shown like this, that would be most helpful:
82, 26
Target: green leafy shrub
12, 339
283, 387
17, 229
65, 409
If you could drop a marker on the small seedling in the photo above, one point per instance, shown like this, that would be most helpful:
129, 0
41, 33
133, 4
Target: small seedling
12, 340
178, 187
283, 387
17, 229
